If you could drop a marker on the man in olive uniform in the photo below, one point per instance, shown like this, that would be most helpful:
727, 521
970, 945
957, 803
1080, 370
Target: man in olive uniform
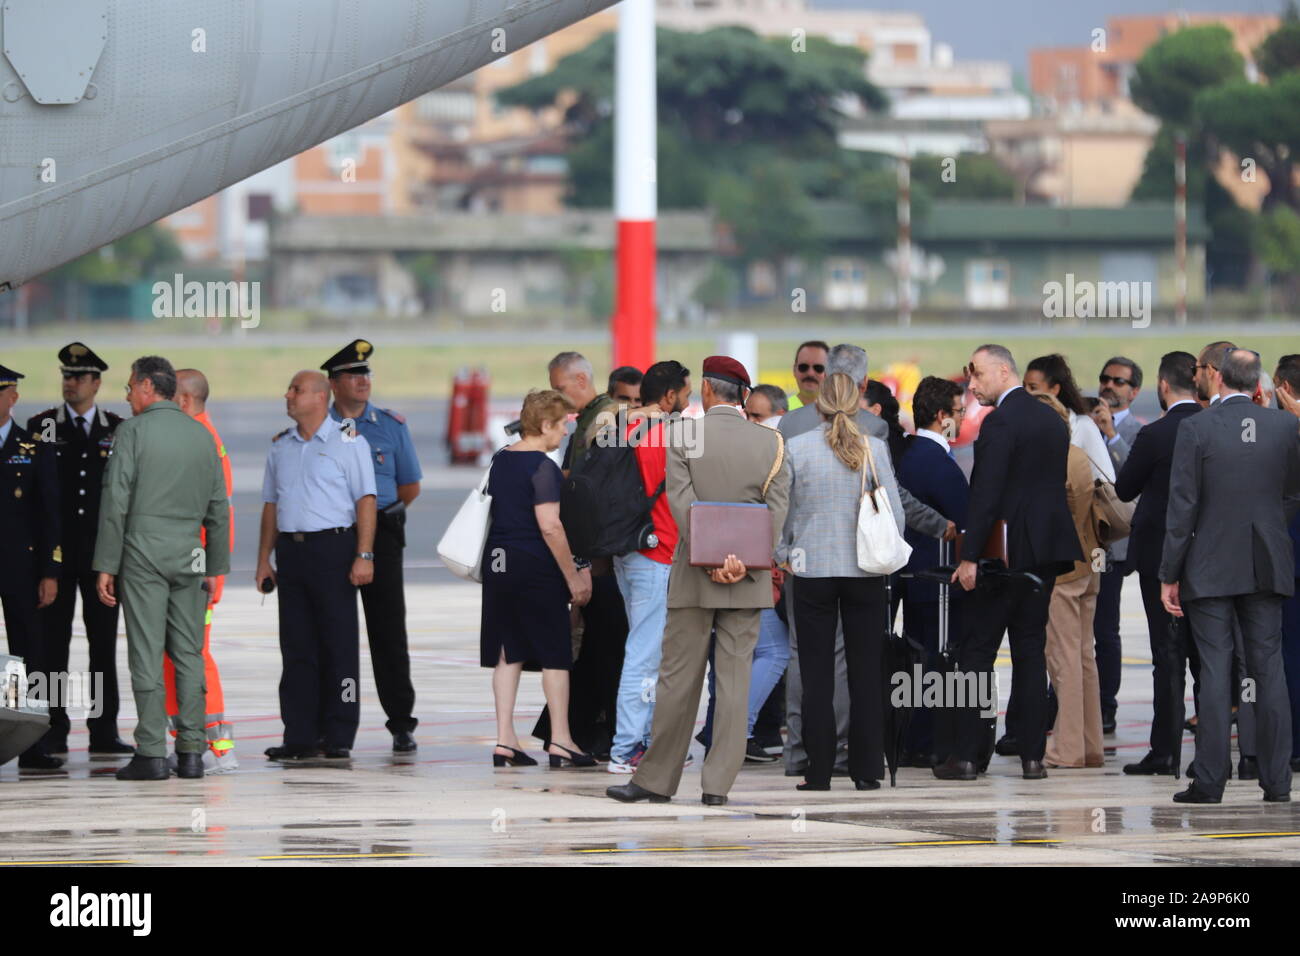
397, 482
81, 433
30, 556
164, 482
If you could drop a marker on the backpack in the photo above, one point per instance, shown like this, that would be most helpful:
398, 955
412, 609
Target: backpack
603, 505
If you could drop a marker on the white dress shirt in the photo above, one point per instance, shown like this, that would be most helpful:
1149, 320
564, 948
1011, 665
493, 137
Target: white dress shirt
934, 437
4, 431
89, 417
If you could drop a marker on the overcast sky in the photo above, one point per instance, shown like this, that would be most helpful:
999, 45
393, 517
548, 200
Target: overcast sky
1006, 29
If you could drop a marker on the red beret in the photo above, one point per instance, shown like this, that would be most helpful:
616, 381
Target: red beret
726, 368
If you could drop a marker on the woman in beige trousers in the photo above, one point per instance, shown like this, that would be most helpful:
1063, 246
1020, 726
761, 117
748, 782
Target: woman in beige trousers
1071, 662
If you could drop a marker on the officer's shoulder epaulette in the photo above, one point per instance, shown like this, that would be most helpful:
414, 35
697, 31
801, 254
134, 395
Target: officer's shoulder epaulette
114, 417
400, 419
276, 438
35, 424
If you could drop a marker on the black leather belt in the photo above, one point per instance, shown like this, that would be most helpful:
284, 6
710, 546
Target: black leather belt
304, 535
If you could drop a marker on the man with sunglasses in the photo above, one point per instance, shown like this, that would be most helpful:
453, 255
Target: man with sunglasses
80, 433
809, 370
1119, 383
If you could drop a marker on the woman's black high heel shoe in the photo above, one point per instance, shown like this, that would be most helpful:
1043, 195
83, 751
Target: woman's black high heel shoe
517, 758
573, 759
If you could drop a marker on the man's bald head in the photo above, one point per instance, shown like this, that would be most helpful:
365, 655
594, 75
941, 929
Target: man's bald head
191, 391
308, 397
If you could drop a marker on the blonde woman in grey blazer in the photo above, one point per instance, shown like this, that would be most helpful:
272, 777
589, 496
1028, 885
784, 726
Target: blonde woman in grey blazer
827, 468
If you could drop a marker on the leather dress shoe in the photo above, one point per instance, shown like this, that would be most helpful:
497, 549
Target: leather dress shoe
1277, 797
404, 742
38, 763
145, 768
713, 799
1150, 765
1007, 746
1108, 727
189, 766
290, 753
338, 753
1192, 795
954, 769
1247, 768
630, 793
115, 747
1033, 770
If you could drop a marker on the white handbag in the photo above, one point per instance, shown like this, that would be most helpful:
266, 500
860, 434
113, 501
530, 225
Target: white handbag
881, 548
461, 547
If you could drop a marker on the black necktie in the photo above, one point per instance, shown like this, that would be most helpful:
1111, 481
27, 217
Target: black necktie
81, 424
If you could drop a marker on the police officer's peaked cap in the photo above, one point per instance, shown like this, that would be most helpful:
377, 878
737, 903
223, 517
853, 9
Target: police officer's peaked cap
353, 357
79, 358
9, 377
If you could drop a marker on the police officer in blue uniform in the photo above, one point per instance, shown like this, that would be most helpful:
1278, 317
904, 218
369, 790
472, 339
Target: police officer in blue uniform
82, 435
318, 515
397, 483
30, 556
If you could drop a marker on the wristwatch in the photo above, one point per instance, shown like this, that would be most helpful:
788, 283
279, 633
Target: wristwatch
366, 555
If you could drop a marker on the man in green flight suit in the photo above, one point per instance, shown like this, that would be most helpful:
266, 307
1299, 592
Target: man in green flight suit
163, 482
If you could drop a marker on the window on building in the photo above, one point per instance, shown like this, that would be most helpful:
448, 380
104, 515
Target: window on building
988, 284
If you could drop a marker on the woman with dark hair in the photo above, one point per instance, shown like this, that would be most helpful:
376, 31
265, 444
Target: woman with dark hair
882, 403
1050, 374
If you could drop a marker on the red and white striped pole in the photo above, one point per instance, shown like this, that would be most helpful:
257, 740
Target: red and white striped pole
635, 184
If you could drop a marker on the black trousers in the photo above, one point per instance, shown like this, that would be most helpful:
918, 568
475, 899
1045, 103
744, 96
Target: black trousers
23, 631
1014, 608
1105, 631
384, 601
862, 605
593, 680
101, 636
319, 640
1170, 639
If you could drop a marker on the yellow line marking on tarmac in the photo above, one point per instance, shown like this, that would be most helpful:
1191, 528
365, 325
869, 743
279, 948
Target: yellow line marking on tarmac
57, 862
1248, 836
662, 849
336, 856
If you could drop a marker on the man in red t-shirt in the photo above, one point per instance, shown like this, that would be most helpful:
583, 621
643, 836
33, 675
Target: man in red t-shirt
643, 575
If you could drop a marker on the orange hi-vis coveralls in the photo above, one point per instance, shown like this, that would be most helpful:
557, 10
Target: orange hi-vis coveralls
221, 738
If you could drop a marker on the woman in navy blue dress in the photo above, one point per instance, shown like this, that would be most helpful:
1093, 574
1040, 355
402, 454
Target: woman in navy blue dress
529, 581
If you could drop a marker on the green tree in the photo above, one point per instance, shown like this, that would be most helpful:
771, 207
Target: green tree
746, 125
1280, 51
1278, 244
1178, 66
135, 256
969, 176
1260, 124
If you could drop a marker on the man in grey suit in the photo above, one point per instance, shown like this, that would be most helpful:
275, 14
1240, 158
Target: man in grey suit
735, 460
852, 361
1234, 487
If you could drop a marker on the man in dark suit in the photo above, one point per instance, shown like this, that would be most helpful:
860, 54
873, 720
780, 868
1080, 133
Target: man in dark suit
929, 472
1287, 381
31, 559
1234, 486
1019, 478
1146, 473
80, 435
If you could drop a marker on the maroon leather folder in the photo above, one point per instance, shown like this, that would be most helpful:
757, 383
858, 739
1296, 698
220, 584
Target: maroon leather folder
995, 547
720, 528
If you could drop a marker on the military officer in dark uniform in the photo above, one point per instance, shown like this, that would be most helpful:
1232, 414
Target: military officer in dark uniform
30, 556
397, 482
81, 434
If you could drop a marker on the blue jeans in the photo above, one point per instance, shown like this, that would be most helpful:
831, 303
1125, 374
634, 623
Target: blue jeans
644, 583
771, 655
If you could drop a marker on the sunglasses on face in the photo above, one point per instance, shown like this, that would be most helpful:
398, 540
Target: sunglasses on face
804, 366
1108, 379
